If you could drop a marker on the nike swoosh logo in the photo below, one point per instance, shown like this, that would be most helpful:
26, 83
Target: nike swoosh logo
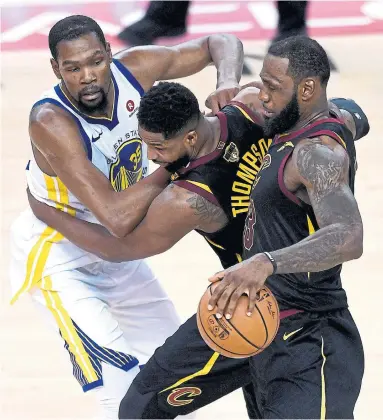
96, 138
288, 144
286, 336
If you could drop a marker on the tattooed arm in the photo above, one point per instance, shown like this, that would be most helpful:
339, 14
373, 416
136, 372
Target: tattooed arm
323, 170
172, 215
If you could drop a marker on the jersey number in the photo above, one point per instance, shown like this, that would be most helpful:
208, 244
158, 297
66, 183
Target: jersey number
248, 231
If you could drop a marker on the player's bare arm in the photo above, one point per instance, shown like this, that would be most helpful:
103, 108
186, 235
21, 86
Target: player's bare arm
55, 135
319, 167
323, 171
172, 215
153, 63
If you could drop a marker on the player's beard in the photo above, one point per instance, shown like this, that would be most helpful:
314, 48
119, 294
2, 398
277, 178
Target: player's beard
284, 121
98, 107
177, 164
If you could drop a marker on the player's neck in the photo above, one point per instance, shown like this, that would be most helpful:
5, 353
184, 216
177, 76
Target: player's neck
316, 112
209, 132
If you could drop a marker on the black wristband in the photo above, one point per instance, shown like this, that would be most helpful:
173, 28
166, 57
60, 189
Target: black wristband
271, 259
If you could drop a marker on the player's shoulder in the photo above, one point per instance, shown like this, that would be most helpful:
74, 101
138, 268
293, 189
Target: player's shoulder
321, 153
47, 113
246, 107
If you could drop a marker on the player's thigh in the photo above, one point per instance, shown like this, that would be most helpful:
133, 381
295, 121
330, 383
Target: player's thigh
307, 374
287, 374
144, 311
344, 365
183, 375
91, 334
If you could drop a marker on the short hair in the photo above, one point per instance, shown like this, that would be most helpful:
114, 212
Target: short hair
167, 108
306, 58
73, 27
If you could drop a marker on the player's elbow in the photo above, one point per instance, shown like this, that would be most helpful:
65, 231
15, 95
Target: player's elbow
230, 39
356, 242
119, 227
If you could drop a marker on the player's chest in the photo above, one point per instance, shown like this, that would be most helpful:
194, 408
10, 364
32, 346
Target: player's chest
121, 143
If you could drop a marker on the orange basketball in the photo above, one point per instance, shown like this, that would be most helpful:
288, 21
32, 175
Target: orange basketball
241, 336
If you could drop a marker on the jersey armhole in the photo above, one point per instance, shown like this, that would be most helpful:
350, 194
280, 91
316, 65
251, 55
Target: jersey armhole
288, 194
198, 188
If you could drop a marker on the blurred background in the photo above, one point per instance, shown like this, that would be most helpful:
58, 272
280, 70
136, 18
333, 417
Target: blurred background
35, 379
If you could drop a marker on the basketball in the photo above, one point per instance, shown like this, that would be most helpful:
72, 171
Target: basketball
242, 335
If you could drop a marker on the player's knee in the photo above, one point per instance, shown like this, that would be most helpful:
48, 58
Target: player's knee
108, 403
109, 407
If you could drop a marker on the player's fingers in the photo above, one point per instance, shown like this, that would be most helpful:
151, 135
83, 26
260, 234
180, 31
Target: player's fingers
217, 277
253, 296
216, 294
214, 105
226, 96
224, 299
237, 293
230, 94
223, 99
256, 84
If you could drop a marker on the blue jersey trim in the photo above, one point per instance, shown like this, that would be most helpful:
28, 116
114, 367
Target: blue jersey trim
85, 137
129, 76
106, 122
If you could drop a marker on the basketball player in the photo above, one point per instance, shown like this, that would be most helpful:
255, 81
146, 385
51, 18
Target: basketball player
207, 189
314, 367
86, 151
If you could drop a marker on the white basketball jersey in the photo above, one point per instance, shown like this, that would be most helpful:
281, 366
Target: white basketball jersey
114, 147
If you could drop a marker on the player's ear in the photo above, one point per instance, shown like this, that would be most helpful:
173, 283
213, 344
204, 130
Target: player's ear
307, 88
191, 138
109, 52
55, 68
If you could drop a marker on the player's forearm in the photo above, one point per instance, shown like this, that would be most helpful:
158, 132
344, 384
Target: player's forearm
130, 206
329, 246
95, 238
227, 54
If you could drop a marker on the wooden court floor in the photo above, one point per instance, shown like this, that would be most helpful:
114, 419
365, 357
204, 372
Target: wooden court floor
35, 374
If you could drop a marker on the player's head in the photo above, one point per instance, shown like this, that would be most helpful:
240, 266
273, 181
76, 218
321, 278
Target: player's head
295, 74
81, 59
168, 117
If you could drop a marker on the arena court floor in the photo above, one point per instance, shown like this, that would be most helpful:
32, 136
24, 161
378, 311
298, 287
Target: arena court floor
35, 379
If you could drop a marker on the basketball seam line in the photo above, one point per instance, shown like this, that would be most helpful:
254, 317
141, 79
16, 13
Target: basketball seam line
228, 351
239, 333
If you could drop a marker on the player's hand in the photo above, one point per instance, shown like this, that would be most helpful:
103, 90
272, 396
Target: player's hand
222, 96
258, 84
246, 277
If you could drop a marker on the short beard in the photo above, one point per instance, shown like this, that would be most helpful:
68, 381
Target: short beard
284, 121
99, 108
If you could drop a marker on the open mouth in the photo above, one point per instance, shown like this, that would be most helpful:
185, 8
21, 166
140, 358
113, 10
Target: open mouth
267, 113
